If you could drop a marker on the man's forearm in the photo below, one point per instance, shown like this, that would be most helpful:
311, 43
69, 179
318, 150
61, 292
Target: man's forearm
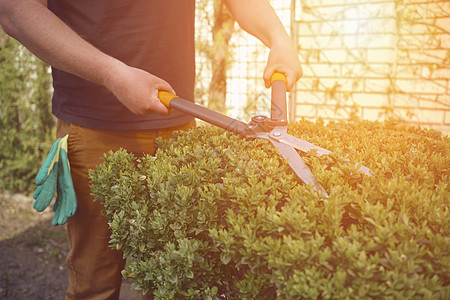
258, 18
44, 34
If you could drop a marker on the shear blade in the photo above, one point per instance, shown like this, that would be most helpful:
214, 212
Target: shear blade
300, 144
298, 166
305, 146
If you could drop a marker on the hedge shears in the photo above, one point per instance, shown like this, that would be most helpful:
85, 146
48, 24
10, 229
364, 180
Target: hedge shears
273, 129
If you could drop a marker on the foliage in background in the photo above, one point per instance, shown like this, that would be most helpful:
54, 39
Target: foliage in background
26, 123
214, 216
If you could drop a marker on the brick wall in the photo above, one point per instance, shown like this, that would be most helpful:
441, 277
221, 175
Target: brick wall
374, 60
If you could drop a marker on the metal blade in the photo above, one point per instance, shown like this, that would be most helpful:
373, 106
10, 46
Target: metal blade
280, 135
298, 166
363, 169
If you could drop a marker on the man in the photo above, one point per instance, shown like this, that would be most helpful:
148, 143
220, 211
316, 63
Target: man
110, 58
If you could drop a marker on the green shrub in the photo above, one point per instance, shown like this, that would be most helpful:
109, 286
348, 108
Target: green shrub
214, 216
27, 127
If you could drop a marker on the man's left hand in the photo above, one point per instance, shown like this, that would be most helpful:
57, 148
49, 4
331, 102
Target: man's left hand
283, 59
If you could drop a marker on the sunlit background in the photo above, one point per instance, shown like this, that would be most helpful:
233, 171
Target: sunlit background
373, 60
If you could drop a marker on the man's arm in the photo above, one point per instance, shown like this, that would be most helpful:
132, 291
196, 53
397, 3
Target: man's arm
44, 34
258, 18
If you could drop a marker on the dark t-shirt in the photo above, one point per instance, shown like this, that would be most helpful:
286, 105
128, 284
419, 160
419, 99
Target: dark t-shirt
154, 35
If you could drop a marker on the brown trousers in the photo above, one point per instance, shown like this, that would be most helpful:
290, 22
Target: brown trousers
94, 268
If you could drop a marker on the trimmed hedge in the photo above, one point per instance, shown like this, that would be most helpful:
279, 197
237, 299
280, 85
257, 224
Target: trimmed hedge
214, 216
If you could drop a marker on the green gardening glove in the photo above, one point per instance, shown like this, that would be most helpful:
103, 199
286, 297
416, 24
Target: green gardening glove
46, 179
55, 175
66, 202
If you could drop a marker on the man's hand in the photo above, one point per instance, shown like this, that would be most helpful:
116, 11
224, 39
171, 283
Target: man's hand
283, 59
138, 90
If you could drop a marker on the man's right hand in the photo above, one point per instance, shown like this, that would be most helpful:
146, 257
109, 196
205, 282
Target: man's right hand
138, 90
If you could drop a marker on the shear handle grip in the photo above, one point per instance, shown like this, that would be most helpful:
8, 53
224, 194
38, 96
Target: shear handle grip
166, 98
278, 105
203, 113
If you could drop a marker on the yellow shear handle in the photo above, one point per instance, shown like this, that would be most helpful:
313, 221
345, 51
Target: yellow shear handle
166, 97
278, 76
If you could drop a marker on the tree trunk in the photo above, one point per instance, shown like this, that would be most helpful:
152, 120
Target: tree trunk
222, 32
